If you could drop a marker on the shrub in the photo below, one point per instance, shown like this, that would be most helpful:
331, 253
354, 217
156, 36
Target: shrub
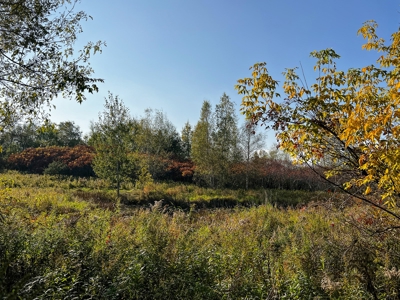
78, 159
56, 168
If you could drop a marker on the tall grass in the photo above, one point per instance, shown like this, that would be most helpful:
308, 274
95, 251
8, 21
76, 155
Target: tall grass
56, 245
176, 194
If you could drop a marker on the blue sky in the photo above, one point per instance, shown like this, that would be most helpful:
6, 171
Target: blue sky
174, 54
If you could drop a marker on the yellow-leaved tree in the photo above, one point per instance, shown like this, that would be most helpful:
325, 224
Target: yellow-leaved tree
347, 124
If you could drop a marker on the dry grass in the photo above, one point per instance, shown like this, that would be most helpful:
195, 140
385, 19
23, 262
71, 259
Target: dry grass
59, 243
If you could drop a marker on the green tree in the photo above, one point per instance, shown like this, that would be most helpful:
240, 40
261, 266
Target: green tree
250, 142
186, 138
202, 145
68, 134
157, 137
37, 57
112, 140
29, 134
18, 138
225, 138
346, 123
47, 135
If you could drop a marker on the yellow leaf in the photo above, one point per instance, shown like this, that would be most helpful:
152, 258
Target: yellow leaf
368, 190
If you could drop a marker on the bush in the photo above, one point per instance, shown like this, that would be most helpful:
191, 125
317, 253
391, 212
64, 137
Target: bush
78, 159
57, 168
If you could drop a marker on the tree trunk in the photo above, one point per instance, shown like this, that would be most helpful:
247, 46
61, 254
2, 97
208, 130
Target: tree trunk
118, 180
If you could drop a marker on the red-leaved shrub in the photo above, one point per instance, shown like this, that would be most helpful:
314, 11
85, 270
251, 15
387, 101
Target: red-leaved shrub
36, 160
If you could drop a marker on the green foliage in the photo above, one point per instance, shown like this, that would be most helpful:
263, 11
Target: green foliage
24, 135
157, 137
168, 142
186, 137
56, 168
18, 138
68, 134
215, 143
46, 135
37, 57
202, 145
144, 176
225, 139
112, 140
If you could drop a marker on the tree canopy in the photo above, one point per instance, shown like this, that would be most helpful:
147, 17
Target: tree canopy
347, 123
112, 139
215, 142
38, 61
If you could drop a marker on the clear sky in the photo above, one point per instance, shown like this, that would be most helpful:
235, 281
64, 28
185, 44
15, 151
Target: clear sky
174, 54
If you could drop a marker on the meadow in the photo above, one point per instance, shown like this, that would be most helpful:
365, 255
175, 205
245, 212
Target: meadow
69, 238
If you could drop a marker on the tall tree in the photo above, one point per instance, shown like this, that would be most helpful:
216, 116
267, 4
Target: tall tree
47, 135
30, 134
157, 135
18, 138
349, 118
69, 134
249, 142
37, 57
202, 145
186, 137
225, 137
112, 140
158, 138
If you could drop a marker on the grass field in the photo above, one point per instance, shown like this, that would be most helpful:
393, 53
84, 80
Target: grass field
70, 239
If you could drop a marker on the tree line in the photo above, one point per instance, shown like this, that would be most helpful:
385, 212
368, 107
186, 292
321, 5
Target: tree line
216, 152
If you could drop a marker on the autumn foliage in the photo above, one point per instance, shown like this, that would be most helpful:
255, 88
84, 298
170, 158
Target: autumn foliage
264, 172
180, 170
78, 159
270, 173
347, 123
168, 168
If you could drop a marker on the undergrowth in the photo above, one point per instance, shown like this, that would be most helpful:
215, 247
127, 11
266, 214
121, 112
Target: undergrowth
56, 244
176, 194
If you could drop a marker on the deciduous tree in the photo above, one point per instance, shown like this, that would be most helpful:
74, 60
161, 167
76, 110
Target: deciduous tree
157, 137
18, 138
186, 137
249, 142
225, 138
38, 61
69, 134
347, 122
112, 140
202, 145
47, 135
